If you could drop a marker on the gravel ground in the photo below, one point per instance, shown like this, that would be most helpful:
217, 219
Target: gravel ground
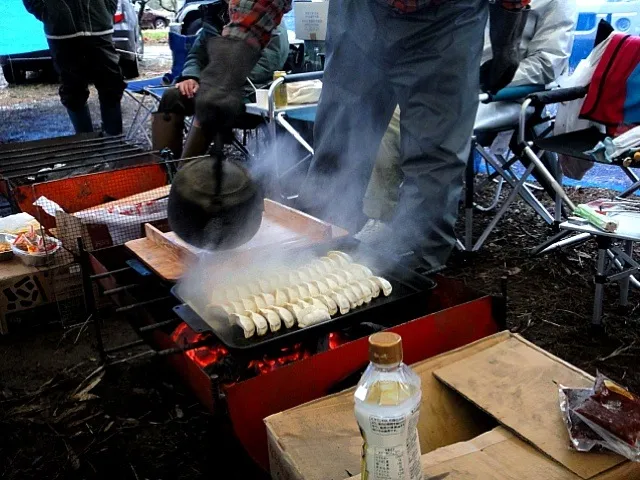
33, 110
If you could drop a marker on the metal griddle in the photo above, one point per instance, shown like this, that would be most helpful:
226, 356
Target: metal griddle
407, 301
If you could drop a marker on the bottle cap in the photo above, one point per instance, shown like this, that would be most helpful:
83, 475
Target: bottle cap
385, 348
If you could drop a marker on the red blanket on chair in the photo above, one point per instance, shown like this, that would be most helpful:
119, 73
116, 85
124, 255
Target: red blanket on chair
613, 98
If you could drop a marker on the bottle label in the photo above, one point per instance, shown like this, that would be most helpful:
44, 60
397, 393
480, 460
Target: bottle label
391, 448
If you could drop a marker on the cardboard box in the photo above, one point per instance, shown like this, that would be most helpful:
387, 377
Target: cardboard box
311, 20
489, 412
25, 287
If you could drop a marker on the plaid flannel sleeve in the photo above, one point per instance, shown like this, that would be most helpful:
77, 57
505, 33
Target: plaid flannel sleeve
254, 20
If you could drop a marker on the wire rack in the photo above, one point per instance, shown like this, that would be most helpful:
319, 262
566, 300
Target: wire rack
99, 189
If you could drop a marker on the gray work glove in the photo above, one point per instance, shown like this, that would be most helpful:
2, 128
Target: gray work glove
506, 28
219, 100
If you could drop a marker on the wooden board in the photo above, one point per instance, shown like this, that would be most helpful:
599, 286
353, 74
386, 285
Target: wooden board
168, 256
517, 383
148, 196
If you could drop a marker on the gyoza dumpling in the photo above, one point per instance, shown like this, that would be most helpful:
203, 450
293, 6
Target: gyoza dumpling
294, 309
243, 291
262, 326
266, 285
341, 301
312, 272
322, 287
375, 288
285, 315
384, 285
283, 280
312, 288
231, 294
315, 303
360, 271
368, 294
313, 316
245, 323
259, 301
280, 297
340, 257
304, 276
348, 276
331, 283
294, 278
337, 280
321, 267
249, 304
273, 319
292, 293
351, 296
303, 291
329, 303
330, 263
268, 299
357, 291
238, 307
254, 288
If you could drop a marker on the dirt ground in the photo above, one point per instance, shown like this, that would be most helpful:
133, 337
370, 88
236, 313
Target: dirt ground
138, 422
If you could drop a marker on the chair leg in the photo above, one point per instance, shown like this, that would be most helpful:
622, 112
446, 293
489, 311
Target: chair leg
630, 191
600, 279
468, 197
625, 282
505, 206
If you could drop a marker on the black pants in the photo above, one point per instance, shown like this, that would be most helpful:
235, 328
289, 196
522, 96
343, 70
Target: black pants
174, 102
84, 60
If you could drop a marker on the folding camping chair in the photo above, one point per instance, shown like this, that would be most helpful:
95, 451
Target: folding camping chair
499, 124
275, 117
147, 93
615, 261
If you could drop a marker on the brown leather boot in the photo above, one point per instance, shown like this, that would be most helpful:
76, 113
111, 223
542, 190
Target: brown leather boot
166, 132
197, 143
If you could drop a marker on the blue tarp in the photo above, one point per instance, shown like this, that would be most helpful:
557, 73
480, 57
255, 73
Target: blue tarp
20, 32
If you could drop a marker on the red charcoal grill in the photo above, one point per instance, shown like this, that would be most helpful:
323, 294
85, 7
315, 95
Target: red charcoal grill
246, 389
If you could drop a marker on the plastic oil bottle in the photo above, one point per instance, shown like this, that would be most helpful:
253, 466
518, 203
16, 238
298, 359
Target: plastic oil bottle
387, 402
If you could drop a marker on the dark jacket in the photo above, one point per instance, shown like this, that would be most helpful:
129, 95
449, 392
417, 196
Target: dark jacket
273, 57
73, 18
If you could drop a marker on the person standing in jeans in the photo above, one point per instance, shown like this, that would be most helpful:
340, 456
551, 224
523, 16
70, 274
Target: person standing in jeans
79, 34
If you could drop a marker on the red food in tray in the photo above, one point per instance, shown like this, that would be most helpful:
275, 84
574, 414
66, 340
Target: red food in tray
614, 409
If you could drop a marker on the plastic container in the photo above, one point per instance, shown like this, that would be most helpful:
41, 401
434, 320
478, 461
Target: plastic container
387, 402
280, 94
34, 259
5, 256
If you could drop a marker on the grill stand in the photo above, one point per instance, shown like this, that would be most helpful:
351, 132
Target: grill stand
460, 317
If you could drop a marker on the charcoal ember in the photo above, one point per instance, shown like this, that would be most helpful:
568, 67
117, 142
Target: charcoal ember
614, 409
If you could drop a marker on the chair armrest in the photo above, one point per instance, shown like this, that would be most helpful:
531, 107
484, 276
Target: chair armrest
302, 77
558, 95
511, 93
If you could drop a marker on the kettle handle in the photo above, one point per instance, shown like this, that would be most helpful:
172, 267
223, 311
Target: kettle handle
218, 158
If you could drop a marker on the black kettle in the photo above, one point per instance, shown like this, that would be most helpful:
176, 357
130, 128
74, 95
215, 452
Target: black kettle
214, 204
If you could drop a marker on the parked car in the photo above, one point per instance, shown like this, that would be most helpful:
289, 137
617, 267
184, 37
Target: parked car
623, 15
154, 19
190, 16
35, 56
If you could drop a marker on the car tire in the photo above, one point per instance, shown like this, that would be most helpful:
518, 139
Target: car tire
194, 27
14, 75
160, 23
